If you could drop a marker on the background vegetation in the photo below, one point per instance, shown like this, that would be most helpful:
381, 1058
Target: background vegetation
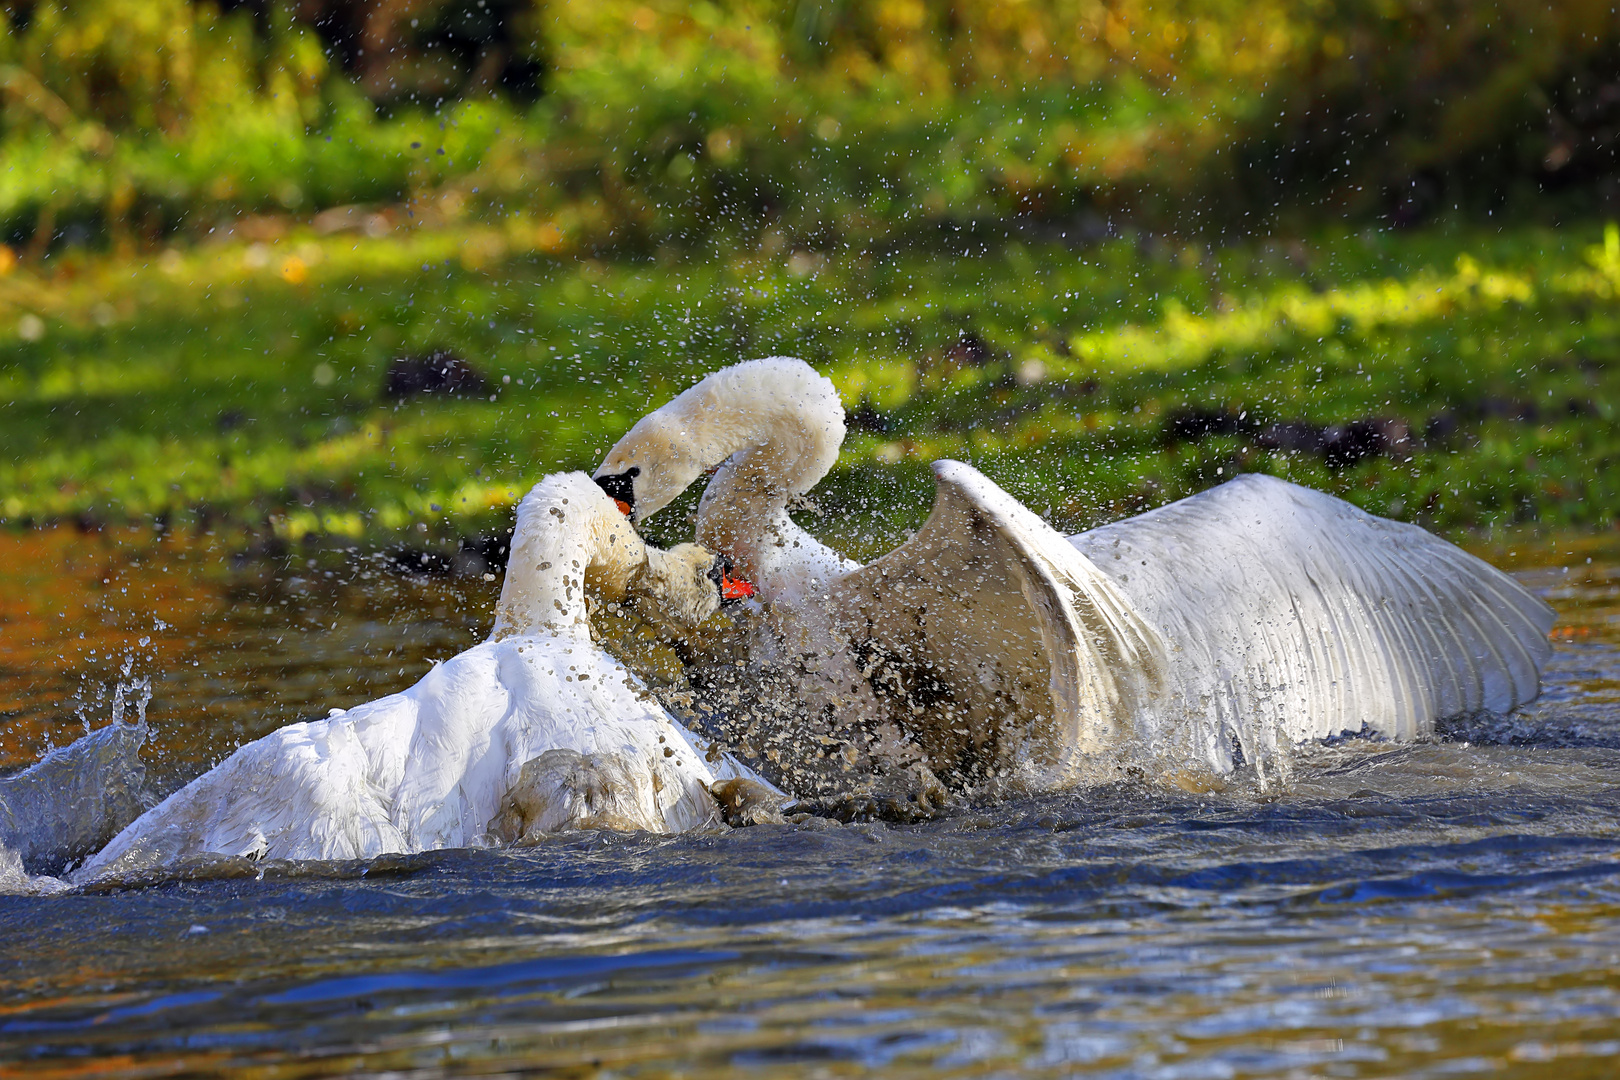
831, 120
1111, 252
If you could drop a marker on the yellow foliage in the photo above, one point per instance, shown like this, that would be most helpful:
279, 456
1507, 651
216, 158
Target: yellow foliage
548, 238
662, 117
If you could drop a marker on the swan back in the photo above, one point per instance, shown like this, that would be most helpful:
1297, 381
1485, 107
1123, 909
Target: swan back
777, 410
429, 767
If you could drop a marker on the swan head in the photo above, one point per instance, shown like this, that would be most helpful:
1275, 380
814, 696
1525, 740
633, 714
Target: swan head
654, 462
683, 587
778, 414
570, 537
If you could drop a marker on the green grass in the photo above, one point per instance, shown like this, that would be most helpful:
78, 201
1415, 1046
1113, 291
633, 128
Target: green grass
243, 383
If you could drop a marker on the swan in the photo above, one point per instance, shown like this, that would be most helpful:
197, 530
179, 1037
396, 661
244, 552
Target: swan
1222, 628
532, 731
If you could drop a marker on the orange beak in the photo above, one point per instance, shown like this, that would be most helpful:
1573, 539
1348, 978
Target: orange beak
624, 507
735, 588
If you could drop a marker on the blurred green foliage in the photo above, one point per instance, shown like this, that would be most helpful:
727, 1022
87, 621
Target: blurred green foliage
1046, 235
244, 382
636, 123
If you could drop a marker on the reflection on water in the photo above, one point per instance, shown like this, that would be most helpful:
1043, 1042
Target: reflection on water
234, 647
1442, 909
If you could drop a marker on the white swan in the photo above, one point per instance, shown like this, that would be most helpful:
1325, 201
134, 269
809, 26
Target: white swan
531, 731
1243, 619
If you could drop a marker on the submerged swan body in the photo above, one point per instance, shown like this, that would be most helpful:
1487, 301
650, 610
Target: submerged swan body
1252, 616
442, 763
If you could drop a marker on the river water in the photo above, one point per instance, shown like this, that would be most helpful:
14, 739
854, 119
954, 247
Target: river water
1444, 909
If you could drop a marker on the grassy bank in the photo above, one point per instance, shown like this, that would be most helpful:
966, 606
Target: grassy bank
1463, 378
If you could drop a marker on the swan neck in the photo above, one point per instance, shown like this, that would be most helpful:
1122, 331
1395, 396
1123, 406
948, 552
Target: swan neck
568, 534
784, 425
744, 513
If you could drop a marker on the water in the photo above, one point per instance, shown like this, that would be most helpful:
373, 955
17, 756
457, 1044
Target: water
1436, 910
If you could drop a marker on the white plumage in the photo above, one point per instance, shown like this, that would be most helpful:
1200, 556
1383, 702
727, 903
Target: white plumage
429, 767
1252, 616
1294, 615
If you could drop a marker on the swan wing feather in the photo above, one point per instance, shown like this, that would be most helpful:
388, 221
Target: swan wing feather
1036, 651
305, 791
1311, 613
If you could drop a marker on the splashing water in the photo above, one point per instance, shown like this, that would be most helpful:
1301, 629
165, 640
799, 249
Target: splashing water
131, 694
77, 797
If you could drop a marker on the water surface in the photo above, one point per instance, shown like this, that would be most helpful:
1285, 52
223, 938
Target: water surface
1445, 909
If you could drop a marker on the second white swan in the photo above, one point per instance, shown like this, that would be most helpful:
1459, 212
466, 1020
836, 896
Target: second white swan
532, 731
1225, 626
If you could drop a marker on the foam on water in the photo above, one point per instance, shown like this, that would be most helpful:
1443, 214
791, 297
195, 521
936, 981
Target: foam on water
16, 881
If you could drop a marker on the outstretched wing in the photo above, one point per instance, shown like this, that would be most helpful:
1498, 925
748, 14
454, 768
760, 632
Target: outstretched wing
1000, 647
1294, 615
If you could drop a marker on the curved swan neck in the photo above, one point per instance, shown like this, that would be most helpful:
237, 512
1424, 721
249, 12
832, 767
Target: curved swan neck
567, 531
744, 514
786, 426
